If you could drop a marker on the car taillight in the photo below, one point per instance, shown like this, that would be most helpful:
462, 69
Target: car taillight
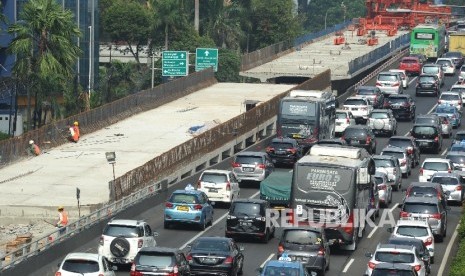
228, 186
371, 265
410, 151
280, 248
364, 108
58, 274
261, 166
175, 271
101, 240
228, 260
429, 241
395, 84
269, 149
321, 252
140, 243
458, 188
417, 267
421, 171
133, 271
403, 162
382, 187
169, 205
406, 104
403, 214
436, 138
199, 184
189, 257
386, 104
435, 216
347, 120
449, 170
349, 226
236, 165
292, 151
198, 207
378, 83
368, 139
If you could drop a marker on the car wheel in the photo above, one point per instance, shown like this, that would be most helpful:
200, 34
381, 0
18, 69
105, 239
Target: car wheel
266, 237
439, 238
241, 269
431, 259
203, 224
166, 225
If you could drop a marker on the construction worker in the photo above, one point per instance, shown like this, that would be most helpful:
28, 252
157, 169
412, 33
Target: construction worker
33, 148
74, 133
62, 219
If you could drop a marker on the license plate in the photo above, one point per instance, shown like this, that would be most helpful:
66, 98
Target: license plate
424, 143
395, 106
281, 152
248, 169
213, 190
245, 223
183, 208
354, 142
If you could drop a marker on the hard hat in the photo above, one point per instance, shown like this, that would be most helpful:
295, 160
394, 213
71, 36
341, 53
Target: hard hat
76, 123
31, 142
60, 208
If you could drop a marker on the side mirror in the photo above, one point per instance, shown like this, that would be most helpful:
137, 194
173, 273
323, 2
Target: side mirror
114, 268
155, 234
425, 257
390, 229
368, 255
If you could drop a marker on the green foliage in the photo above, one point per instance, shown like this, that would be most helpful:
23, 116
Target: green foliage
229, 65
333, 12
461, 229
458, 265
4, 136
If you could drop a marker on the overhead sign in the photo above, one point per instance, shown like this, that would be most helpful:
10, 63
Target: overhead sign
175, 63
206, 58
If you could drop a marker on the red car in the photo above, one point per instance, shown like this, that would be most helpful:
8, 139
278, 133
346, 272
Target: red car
411, 65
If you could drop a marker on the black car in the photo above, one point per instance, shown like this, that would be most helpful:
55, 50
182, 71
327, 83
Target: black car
402, 106
458, 159
409, 143
247, 218
459, 137
428, 137
428, 84
371, 93
332, 142
215, 256
162, 260
456, 57
360, 136
419, 245
307, 245
386, 269
284, 151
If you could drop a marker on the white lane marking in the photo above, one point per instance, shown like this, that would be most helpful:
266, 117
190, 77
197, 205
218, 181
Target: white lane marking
267, 259
213, 224
347, 266
448, 249
413, 79
376, 227
444, 152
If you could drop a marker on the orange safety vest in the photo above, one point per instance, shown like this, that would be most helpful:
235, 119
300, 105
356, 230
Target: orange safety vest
76, 130
74, 134
64, 218
36, 149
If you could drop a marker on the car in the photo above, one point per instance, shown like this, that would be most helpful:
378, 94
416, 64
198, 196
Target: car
433, 165
371, 93
428, 189
459, 88
215, 256
284, 151
88, 263
403, 74
458, 159
419, 245
360, 136
446, 126
402, 106
426, 208
389, 83
344, 118
393, 253
453, 185
384, 269
451, 98
459, 136
252, 166
382, 121
421, 57
384, 188
188, 206
428, 84
389, 165
247, 218
360, 107
428, 137
282, 267
447, 64
452, 113
430, 119
332, 142
434, 69
409, 144
461, 74
457, 58
414, 230
411, 65
220, 186
457, 147
123, 238
404, 158
307, 245
163, 261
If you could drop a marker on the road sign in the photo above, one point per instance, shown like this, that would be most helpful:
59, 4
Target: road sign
175, 63
206, 58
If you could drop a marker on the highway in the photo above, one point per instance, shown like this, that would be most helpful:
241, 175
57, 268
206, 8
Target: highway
341, 262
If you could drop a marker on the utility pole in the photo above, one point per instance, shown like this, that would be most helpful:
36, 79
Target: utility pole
90, 68
196, 15
153, 68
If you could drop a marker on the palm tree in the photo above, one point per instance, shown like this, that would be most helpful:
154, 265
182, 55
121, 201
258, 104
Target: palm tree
43, 45
168, 15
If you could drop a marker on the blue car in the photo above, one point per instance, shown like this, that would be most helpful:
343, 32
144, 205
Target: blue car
451, 112
458, 147
283, 267
188, 206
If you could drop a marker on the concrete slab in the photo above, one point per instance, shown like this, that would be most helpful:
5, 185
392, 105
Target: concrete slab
34, 187
319, 56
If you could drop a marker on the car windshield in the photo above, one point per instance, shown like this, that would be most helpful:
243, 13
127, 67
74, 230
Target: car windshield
396, 154
424, 130
211, 245
458, 89
444, 180
298, 236
420, 208
80, 266
214, 177
443, 62
426, 79
355, 102
409, 60
402, 143
436, 166
355, 132
412, 231
280, 271
245, 209
126, 231
391, 272
382, 163
379, 115
281, 145
425, 120
460, 136
457, 159
183, 198
387, 77
155, 259
418, 243
397, 100
456, 148
341, 115
453, 55
430, 70
379, 180
366, 91
244, 159
450, 97
394, 257
445, 109
422, 191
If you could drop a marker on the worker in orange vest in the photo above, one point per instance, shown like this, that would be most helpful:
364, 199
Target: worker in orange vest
62, 219
33, 148
74, 132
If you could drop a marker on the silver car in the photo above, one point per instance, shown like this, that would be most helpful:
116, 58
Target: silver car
384, 189
252, 166
446, 126
389, 164
406, 163
451, 98
453, 185
382, 121
389, 83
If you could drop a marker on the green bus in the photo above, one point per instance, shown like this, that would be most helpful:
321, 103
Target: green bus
428, 39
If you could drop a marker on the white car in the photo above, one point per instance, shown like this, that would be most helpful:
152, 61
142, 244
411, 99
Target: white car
458, 87
384, 188
433, 165
405, 162
462, 74
451, 98
447, 64
123, 238
360, 107
418, 229
344, 118
405, 79
393, 253
90, 264
382, 121
389, 83
219, 185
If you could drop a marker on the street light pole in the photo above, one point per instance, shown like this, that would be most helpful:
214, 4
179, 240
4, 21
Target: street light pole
153, 68
90, 66
326, 15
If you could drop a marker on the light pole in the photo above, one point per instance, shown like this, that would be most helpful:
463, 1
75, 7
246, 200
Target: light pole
90, 66
153, 68
111, 158
344, 9
326, 15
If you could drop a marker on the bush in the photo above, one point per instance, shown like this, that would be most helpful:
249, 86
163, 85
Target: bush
461, 230
4, 136
458, 265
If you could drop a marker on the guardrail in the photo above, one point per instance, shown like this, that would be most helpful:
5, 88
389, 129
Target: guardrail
51, 239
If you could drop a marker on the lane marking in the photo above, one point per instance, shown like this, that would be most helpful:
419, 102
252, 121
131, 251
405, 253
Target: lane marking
213, 224
448, 249
413, 79
394, 207
444, 152
347, 266
267, 259
376, 227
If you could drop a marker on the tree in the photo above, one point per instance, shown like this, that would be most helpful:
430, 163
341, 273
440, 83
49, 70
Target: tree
43, 45
168, 15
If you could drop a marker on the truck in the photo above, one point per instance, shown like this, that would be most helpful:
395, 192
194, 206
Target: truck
276, 189
332, 187
457, 42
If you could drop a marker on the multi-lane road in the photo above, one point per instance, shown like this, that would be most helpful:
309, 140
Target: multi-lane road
342, 262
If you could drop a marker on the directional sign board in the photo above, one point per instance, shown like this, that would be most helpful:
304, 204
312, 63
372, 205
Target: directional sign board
206, 58
175, 63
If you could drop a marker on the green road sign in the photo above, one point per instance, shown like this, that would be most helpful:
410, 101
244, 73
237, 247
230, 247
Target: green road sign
175, 63
206, 58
